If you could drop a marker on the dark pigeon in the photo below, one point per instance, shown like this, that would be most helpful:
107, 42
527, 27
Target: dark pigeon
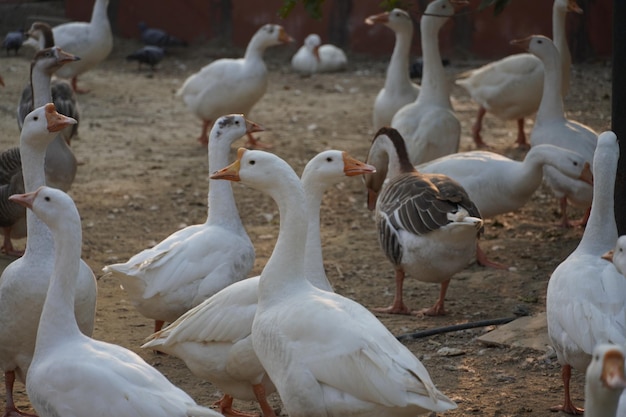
158, 37
13, 41
149, 54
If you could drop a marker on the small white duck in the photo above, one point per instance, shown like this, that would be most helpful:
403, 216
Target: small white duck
232, 85
214, 338
604, 380
511, 87
197, 261
24, 282
586, 297
72, 374
314, 57
398, 90
429, 125
552, 127
497, 184
326, 354
427, 224
92, 41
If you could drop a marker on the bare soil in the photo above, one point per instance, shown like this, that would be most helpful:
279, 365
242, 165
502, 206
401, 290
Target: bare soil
143, 176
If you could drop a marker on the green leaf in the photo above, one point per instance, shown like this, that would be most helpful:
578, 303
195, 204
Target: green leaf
312, 7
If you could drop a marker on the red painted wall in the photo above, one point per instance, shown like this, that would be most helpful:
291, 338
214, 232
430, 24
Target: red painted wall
470, 35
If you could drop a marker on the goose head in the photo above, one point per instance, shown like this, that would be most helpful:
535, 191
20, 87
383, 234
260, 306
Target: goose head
538, 45
41, 33
568, 6
604, 380
42, 124
312, 43
231, 127
53, 206
397, 20
618, 255
439, 11
330, 167
270, 35
49, 60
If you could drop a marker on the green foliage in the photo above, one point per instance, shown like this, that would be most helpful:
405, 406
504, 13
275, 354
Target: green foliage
312, 7
498, 5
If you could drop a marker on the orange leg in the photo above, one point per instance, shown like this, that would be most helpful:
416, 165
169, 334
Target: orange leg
7, 245
398, 306
259, 393
76, 88
11, 410
568, 406
521, 136
254, 143
478, 140
225, 406
437, 309
204, 136
481, 259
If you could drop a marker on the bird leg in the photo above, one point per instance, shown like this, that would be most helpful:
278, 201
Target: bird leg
568, 406
398, 306
481, 259
204, 136
521, 136
11, 410
7, 245
254, 143
75, 86
437, 309
225, 406
478, 140
259, 393
565, 222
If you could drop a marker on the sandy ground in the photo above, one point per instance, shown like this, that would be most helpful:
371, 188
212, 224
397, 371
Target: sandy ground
143, 176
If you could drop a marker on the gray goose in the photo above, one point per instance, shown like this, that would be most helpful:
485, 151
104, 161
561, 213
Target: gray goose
427, 224
60, 165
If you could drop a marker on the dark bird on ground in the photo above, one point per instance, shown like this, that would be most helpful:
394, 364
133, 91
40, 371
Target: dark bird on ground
13, 41
158, 37
149, 54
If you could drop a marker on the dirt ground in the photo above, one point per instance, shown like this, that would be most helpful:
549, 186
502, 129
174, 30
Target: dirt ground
143, 176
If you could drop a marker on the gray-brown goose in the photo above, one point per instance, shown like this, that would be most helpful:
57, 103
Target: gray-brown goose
427, 224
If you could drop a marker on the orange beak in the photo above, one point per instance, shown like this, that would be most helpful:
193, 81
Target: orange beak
231, 172
56, 121
352, 167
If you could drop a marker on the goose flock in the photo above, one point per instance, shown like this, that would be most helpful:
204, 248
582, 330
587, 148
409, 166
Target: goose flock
262, 320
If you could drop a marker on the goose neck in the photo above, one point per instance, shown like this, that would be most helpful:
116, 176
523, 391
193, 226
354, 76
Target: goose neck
99, 12
398, 69
58, 321
222, 208
551, 106
285, 268
314, 260
40, 82
559, 37
434, 87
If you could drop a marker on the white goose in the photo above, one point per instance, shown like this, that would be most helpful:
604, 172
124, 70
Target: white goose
314, 57
72, 374
214, 338
497, 184
399, 90
604, 380
326, 354
197, 261
429, 125
511, 88
427, 224
552, 127
618, 255
586, 297
23, 284
92, 41
232, 85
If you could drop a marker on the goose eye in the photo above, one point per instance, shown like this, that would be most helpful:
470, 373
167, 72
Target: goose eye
252, 162
47, 198
329, 159
35, 118
539, 41
575, 163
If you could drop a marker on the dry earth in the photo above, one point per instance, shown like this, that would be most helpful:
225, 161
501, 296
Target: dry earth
144, 176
